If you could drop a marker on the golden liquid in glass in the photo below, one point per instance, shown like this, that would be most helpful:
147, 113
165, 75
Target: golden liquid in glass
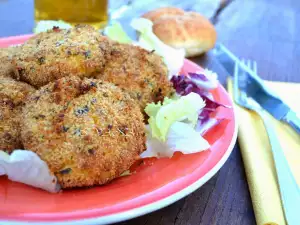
92, 12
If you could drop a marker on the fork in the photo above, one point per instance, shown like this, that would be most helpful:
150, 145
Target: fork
289, 190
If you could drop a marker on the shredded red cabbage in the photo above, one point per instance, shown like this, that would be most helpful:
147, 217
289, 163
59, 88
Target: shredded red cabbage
204, 127
185, 85
198, 76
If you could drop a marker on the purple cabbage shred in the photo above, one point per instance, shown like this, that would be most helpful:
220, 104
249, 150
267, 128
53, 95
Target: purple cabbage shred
198, 76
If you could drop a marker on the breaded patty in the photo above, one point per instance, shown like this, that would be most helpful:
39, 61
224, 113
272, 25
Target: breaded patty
12, 97
79, 51
141, 73
88, 131
6, 54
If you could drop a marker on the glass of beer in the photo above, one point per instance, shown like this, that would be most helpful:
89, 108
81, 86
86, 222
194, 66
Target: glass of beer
92, 12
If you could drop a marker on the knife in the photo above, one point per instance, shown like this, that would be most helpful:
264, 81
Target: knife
254, 87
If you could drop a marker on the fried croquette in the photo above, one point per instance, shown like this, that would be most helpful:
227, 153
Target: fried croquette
87, 131
6, 68
12, 97
141, 73
48, 56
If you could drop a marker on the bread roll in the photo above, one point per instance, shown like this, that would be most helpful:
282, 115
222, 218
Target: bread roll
180, 29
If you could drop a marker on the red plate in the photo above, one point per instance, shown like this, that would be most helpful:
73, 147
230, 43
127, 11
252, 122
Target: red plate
156, 183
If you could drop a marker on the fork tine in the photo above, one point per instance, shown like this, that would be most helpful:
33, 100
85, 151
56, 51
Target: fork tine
254, 67
249, 64
236, 83
243, 61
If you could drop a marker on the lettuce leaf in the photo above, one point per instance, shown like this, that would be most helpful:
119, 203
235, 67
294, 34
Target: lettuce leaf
181, 137
162, 116
116, 33
26, 167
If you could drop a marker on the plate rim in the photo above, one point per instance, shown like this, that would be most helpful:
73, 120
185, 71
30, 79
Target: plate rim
140, 211
150, 207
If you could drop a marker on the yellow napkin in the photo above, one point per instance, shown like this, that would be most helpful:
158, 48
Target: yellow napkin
257, 155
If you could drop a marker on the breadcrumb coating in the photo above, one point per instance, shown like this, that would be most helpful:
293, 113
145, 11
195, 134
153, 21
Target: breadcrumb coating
88, 131
141, 73
6, 55
80, 51
13, 95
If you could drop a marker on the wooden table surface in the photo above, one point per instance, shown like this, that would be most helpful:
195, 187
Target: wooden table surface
261, 30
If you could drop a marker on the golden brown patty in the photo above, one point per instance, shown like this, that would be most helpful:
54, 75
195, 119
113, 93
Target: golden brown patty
88, 131
48, 56
6, 54
141, 73
12, 96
